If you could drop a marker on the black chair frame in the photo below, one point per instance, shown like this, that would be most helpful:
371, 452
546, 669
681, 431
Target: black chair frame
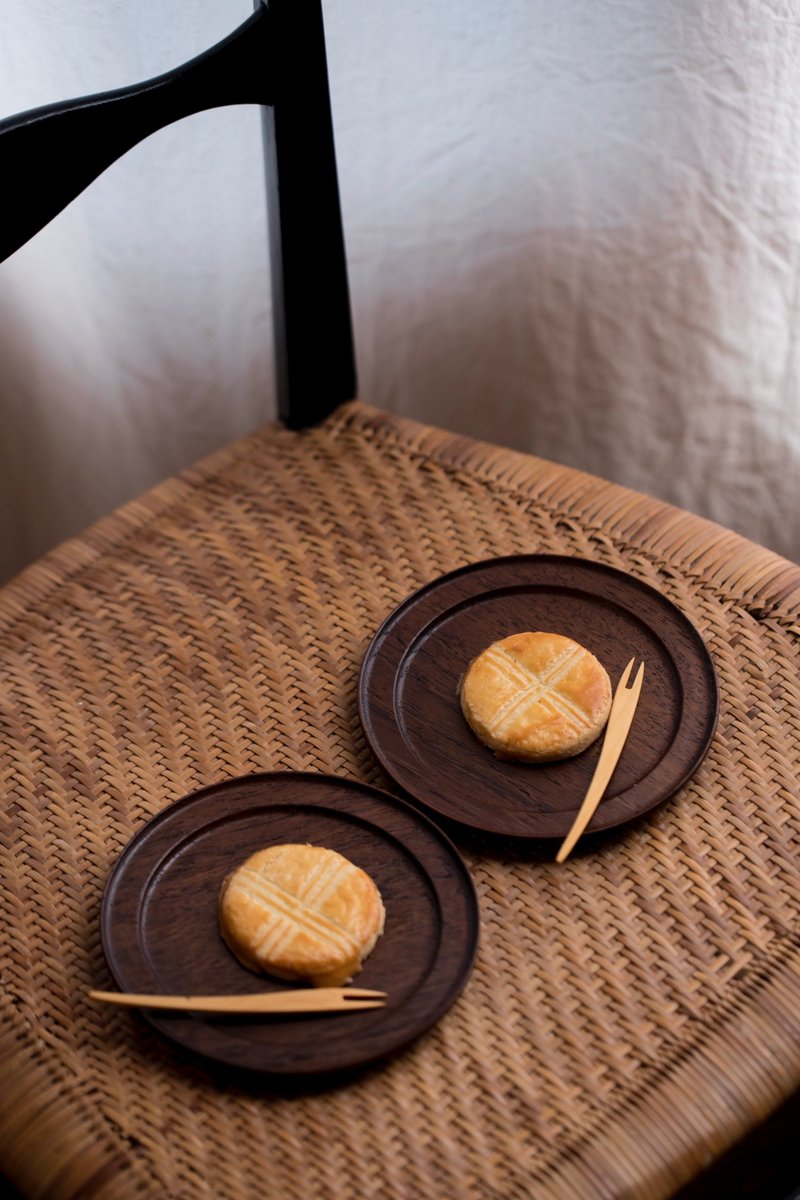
276, 59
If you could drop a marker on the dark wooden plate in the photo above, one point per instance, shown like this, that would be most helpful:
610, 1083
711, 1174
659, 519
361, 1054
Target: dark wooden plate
160, 932
411, 675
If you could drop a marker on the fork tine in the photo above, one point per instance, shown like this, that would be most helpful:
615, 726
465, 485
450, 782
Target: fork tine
355, 998
629, 694
360, 1005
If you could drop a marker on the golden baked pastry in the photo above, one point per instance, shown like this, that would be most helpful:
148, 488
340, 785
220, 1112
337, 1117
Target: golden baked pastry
536, 697
301, 912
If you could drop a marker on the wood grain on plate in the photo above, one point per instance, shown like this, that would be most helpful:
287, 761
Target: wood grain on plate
410, 680
160, 931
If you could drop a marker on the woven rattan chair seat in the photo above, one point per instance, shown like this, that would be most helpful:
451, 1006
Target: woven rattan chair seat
630, 1014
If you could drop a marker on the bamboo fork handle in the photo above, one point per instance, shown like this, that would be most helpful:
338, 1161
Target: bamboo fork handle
619, 722
299, 1000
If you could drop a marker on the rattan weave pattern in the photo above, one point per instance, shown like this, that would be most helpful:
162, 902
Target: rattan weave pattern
630, 1014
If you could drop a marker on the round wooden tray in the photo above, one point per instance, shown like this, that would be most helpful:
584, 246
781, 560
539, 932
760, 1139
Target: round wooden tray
160, 932
411, 675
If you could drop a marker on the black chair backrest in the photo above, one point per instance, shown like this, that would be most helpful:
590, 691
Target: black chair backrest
275, 59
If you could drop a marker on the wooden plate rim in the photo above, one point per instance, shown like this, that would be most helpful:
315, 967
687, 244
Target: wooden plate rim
408, 778
438, 993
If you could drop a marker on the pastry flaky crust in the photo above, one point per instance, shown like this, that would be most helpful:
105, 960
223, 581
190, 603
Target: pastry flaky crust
301, 912
536, 697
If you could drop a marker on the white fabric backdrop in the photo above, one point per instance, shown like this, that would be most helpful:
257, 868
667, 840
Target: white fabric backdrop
573, 228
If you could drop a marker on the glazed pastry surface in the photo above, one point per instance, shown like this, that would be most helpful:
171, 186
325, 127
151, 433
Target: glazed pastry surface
536, 697
301, 912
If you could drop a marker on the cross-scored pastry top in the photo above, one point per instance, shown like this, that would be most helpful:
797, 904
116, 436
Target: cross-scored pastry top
536, 696
301, 912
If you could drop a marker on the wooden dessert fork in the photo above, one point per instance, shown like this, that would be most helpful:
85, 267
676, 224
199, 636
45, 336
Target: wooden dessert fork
300, 1000
623, 707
